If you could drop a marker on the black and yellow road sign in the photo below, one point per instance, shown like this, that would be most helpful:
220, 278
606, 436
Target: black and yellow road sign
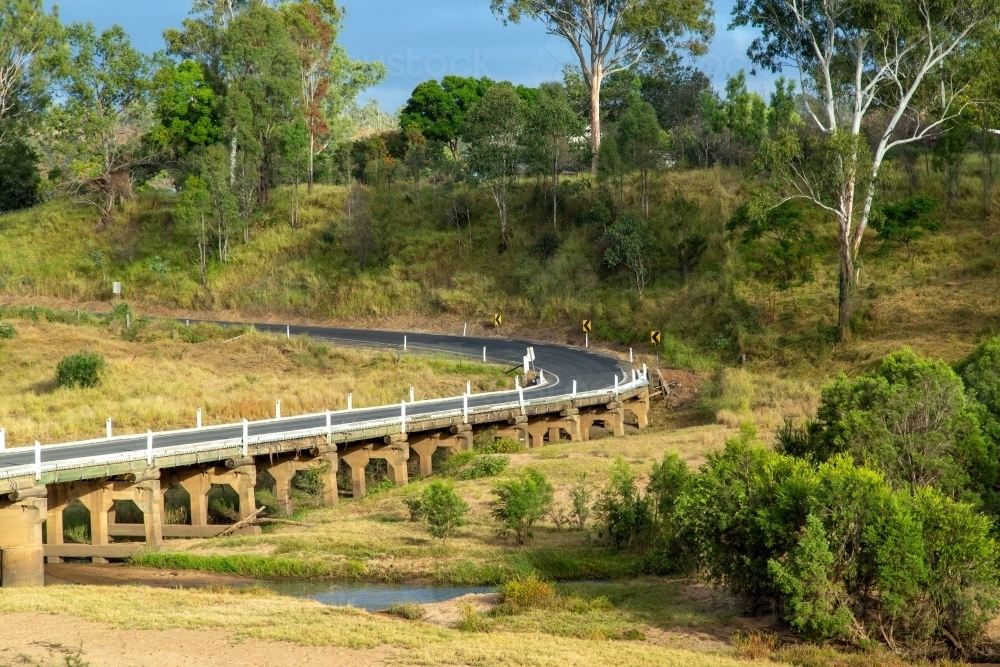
587, 326
655, 337
497, 320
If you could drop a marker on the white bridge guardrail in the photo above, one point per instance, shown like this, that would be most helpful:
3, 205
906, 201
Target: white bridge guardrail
150, 454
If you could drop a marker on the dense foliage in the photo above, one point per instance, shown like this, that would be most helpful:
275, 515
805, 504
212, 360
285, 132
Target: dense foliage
81, 370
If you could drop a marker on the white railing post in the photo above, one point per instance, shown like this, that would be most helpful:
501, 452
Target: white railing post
631, 357
107, 426
520, 399
404, 343
3, 439
38, 460
402, 417
468, 387
288, 331
329, 428
350, 402
149, 448
465, 408
644, 372
484, 354
198, 417
517, 382
574, 389
277, 409
616, 384
246, 436
541, 376
465, 329
412, 395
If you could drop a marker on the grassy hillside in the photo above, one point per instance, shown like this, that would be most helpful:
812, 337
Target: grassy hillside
433, 257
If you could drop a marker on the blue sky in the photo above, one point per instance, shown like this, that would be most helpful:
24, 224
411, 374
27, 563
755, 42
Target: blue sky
422, 39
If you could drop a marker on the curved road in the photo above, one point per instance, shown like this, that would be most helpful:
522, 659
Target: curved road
562, 365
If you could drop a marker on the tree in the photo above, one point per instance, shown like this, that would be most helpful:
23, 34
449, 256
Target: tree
641, 143
628, 247
439, 110
495, 129
625, 513
896, 60
20, 178
778, 247
30, 40
553, 126
610, 36
443, 509
195, 206
327, 77
187, 107
95, 136
905, 221
521, 501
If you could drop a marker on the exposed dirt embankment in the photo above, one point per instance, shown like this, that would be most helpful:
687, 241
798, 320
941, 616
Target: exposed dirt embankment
86, 574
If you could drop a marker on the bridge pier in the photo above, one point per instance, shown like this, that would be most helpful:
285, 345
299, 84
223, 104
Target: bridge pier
284, 469
22, 553
395, 453
639, 405
426, 444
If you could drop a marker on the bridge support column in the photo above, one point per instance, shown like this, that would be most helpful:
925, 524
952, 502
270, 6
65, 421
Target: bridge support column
22, 554
197, 483
357, 460
331, 494
396, 452
572, 425
244, 481
94, 496
640, 406
282, 472
426, 445
54, 527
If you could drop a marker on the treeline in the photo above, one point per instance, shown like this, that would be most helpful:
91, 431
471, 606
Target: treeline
244, 97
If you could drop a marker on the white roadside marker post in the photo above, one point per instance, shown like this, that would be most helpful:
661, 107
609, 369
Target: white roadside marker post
3, 439
350, 402
404, 343
149, 448
277, 409
288, 331
645, 372
329, 428
246, 436
541, 376
631, 357
198, 417
484, 354
412, 395
586, 340
465, 408
465, 329
468, 387
38, 460
107, 426
616, 384
402, 417
517, 382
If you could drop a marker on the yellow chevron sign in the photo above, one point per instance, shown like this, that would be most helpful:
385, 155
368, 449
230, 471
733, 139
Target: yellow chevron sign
587, 326
655, 337
497, 320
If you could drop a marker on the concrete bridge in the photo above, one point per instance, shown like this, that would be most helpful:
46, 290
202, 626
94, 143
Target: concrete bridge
572, 390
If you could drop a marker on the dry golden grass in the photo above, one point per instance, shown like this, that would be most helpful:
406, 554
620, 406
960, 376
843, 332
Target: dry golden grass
160, 383
258, 614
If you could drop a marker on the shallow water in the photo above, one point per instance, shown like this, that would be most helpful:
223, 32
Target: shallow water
371, 597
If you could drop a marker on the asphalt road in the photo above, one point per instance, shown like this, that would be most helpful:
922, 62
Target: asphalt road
562, 365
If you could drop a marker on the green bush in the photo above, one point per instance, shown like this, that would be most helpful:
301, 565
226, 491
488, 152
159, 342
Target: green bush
502, 446
454, 462
487, 465
415, 506
80, 370
847, 554
411, 611
381, 486
521, 501
529, 593
443, 509
7, 331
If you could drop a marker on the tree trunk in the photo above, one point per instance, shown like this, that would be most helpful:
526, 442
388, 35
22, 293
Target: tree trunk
312, 154
595, 116
555, 189
203, 253
848, 280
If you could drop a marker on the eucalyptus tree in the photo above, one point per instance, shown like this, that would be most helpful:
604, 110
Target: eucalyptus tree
495, 131
876, 75
29, 40
610, 36
328, 78
555, 127
94, 138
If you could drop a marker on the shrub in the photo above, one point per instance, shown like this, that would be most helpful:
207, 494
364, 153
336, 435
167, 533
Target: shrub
626, 515
7, 331
580, 498
415, 505
530, 593
443, 509
520, 502
487, 465
379, 487
410, 611
502, 446
455, 461
80, 370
